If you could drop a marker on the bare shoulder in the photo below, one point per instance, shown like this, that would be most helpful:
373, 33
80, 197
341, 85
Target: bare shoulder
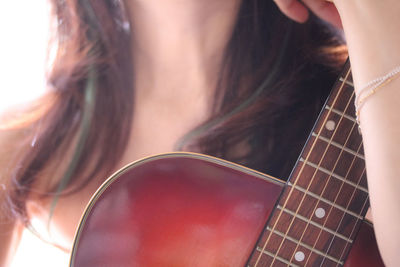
11, 232
10, 229
14, 142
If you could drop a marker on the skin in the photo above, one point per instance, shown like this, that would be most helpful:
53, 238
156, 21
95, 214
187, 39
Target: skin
184, 65
194, 35
176, 67
372, 32
173, 80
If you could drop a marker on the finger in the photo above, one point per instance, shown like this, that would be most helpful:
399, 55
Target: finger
293, 9
326, 10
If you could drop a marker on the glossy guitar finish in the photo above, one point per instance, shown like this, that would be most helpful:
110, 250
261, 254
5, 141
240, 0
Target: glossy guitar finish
192, 210
364, 252
185, 210
176, 210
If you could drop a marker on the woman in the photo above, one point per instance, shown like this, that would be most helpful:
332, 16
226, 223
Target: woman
371, 29
119, 92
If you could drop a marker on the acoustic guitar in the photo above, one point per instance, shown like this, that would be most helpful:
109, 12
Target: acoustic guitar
185, 209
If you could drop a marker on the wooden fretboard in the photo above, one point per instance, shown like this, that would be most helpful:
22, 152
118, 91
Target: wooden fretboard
326, 197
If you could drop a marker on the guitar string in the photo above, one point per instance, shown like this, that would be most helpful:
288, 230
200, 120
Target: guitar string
354, 227
348, 204
295, 180
363, 208
312, 179
328, 179
319, 164
342, 217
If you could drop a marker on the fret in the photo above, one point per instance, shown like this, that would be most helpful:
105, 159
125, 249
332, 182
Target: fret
341, 131
346, 67
346, 134
349, 196
341, 114
350, 83
336, 191
348, 150
270, 258
286, 251
326, 197
344, 99
334, 218
319, 178
341, 127
267, 256
316, 197
271, 255
357, 173
308, 234
303, 245
337, 176
320, 226
334, 160
324, 156
331, 156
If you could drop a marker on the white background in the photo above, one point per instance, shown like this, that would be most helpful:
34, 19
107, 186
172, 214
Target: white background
23, 45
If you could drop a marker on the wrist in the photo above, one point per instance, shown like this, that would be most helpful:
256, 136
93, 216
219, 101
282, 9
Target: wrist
372, 33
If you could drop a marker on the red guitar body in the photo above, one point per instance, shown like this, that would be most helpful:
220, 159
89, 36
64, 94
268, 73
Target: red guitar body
182, 209
186, 210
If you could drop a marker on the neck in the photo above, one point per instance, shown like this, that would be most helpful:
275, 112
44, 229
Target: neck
178, 44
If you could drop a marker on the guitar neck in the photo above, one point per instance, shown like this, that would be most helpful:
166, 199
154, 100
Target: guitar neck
326, 197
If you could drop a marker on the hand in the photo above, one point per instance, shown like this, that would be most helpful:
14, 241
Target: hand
299, 11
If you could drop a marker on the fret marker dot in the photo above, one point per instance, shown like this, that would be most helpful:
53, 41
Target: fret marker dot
320, 213
330, 125
299, 256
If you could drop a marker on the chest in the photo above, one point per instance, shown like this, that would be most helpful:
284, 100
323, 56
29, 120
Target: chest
158, 127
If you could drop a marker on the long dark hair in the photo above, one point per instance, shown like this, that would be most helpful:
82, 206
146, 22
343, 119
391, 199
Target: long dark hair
273, 79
